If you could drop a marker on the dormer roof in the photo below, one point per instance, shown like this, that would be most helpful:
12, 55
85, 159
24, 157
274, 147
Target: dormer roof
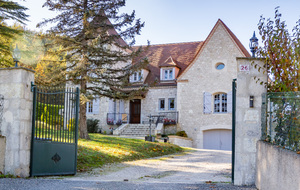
170, 62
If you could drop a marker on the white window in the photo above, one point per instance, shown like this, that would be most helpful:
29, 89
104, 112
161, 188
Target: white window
220, 103
168, 74
161, 104
171, 103
92, 107
137, 77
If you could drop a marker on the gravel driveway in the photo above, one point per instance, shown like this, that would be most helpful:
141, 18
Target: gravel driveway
198, 166
198, 169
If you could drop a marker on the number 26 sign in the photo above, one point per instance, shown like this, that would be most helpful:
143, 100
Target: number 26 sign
244, 68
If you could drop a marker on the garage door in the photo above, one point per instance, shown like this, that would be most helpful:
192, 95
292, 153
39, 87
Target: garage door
219, 139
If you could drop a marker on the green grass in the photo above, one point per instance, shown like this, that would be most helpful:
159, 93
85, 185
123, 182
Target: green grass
102, 149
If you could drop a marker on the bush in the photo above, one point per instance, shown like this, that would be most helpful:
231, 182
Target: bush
71, 124
92, 125
49, 113
181, 134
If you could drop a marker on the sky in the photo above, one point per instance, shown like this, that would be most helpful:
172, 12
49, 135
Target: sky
173, 21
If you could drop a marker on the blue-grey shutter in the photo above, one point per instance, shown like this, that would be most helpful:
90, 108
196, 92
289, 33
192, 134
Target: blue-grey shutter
96, 106
87, 107
229, 102
207, 103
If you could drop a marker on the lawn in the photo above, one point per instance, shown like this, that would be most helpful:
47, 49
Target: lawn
103, 149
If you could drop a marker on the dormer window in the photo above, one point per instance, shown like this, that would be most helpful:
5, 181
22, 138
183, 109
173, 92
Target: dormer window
168, 74
137, 76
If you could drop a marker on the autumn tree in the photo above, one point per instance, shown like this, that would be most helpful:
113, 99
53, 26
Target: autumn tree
281, 51
92, 34
9, 10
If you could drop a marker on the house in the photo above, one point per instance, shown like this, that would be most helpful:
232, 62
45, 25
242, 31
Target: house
189, 84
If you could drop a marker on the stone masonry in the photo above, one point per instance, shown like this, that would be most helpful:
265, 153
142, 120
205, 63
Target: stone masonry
248, 121
15, 133
204, 77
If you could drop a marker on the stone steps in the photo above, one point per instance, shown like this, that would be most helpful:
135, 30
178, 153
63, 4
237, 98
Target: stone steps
137, 130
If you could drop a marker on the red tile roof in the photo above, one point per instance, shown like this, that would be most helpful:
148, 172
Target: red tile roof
182, 54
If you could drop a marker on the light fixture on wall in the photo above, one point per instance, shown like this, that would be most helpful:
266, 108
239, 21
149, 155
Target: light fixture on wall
16, 55
253, 44
251, 102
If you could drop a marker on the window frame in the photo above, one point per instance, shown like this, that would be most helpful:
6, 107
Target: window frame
137, 76
160, 105
90, 107
220, 103
169, 104
166, 74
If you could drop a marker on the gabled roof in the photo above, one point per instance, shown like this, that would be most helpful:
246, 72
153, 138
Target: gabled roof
237, 42
159, 55
169, 63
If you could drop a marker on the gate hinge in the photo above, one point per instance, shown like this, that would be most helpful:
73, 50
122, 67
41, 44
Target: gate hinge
32, 86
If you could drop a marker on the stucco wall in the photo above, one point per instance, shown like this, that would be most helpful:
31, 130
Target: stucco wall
277, 168
248, 121
15, 85
202, 77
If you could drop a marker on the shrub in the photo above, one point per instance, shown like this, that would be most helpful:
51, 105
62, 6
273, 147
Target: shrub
92, 125
71, 124
181, 134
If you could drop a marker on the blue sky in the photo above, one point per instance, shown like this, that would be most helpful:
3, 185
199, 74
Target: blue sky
172, 21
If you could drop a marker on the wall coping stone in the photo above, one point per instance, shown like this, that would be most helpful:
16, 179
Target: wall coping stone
15, 68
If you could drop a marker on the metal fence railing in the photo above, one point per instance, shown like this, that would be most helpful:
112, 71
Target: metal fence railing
117, 118
281, 119
1, 108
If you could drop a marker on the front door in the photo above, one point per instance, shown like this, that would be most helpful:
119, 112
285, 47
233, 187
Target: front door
135, 111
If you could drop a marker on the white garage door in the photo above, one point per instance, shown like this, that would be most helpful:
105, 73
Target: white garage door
219, 139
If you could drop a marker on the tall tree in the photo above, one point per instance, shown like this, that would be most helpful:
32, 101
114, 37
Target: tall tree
91, 33
281, 51
9, 10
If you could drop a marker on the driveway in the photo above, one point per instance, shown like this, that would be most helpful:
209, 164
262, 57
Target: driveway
198, 169
197, 166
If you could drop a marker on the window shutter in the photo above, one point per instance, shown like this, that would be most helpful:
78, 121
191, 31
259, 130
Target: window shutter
87, 107
111, 106
96, 105
121, 106
229, 102
207, 102
131, 78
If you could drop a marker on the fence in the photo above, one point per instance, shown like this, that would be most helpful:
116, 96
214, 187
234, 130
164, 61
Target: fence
282, 120
1, 108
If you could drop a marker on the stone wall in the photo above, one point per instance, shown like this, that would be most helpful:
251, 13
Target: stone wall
15, 86
150, 103
277, 168
248, 121
202, 77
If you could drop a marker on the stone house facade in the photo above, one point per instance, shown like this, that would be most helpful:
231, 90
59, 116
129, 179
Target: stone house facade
189, 83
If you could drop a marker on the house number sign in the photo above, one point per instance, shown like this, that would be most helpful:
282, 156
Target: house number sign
244, 68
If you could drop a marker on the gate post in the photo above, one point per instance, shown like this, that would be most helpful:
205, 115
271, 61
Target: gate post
16, 123
248, 118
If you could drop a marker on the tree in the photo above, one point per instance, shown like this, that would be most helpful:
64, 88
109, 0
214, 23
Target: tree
91, 33
281, 51
9, 10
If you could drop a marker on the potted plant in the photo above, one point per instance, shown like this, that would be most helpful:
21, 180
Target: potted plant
119, 122
168, 121
110, 121
150, 138
165, 137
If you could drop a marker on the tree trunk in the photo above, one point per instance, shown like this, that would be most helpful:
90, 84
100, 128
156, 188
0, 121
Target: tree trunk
83, 132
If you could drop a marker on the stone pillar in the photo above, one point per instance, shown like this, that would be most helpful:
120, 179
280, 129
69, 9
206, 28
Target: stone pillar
248, 120
15, 131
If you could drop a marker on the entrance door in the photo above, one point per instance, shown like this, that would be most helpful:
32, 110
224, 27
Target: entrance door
135, 111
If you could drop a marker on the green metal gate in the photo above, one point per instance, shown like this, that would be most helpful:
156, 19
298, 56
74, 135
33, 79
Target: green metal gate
234, 86
54, 131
